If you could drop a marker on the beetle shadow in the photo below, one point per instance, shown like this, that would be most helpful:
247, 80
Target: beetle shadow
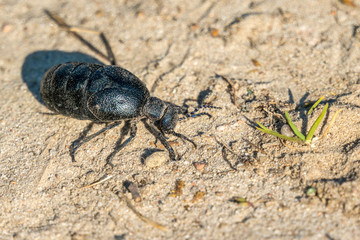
37, 63
303, 111
147, 152
199, 100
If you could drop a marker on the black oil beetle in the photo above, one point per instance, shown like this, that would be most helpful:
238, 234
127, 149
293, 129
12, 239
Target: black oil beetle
107, 93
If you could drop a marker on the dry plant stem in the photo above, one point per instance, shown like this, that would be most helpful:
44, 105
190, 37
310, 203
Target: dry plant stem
287, 145
331, 123
257, 147
121, 196
218, 139
98, 182
133, 189
231, 90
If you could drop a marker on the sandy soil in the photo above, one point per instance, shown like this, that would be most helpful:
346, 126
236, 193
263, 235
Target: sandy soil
239, 183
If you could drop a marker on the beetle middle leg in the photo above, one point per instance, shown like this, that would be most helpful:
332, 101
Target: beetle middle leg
82, 139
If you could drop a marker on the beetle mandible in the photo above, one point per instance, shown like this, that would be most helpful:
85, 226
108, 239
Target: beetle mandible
107, 93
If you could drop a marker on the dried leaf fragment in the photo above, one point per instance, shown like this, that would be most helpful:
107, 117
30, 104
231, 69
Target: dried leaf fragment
197, 196
242, 201
178, 190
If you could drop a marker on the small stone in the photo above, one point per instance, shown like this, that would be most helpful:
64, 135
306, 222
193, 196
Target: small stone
287, 131
220, 128
6, 28
200, 166
156, 159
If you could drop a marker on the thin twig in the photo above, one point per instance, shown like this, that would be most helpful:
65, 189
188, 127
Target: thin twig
225, 146
121, 196
98, 182
133, 189
255, 146
231, 90
219, 140
330, 124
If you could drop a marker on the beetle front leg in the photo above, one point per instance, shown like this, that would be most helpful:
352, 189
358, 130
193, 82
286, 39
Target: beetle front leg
161, 137
183, 137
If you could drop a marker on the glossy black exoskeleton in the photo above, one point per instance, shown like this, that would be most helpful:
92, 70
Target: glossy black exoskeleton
104, 94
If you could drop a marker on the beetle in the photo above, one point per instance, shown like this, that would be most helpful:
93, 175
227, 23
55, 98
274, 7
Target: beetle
108, 94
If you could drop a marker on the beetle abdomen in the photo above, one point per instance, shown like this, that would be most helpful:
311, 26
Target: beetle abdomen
77, 90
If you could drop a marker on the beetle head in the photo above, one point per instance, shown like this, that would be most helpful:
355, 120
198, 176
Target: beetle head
164, 115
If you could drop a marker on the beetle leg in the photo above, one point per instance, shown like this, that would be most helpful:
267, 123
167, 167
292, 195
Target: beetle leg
80, 141
75, 32
161, 137
183, 137
119, 145
109, 51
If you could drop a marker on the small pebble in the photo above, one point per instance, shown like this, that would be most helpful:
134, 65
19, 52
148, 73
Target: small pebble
215, 32
193, 27
287, 131
156, 159
200, 166
220, 128
6, 28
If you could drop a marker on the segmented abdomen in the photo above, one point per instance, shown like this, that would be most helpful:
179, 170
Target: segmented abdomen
63, 88
66, 88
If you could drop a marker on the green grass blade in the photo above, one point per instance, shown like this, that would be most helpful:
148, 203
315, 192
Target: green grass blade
293, 127
314, 106
276, 134
316, 124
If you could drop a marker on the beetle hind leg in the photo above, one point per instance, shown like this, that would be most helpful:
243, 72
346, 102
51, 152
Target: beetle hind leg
119, 144
75, 32
83, 139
